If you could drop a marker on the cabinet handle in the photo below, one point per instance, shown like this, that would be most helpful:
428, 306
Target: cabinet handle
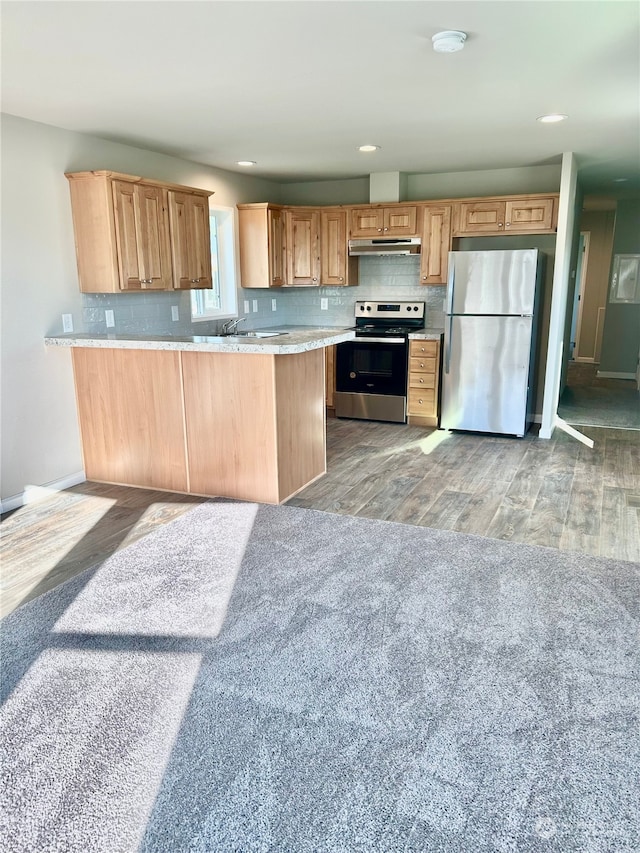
340, 279
315, 279
422, 381
424, 278
507, 225
500, 225
421, 401
194, 280
379, 229
421, 364
386, 229
146, 281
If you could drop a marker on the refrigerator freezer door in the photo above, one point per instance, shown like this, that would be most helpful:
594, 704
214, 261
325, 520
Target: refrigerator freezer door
493, 282
485, 374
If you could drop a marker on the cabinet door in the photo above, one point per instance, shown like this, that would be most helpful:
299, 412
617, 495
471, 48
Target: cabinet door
152, 226
367, 221
303, 260
190, 241
480, 216
126, 235
400, 221
276, 241
529, 215
436, 245
336, 267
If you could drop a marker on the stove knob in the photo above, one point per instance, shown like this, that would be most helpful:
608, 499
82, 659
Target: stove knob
408, 307
368, 307
415, 307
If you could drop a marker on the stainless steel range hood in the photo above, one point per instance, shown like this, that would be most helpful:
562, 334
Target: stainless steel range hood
385, 246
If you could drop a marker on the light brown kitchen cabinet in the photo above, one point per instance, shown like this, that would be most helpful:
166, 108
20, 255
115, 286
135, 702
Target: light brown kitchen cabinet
303, 247
124, 235
372, 221
436, 244
262, 245
523, 214
337, 268
424, 382
142, 236
191, 248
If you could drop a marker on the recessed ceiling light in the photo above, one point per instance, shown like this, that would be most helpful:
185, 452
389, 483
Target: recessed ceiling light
448, 41
620, 180
246, 162
369, 148
552, 118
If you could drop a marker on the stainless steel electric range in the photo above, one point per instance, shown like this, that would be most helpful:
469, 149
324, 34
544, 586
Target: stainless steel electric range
371, 371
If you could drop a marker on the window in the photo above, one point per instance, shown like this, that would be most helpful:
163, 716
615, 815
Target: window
221, 300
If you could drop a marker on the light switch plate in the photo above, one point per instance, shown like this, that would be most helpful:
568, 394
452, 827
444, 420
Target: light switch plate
246, 306
273, 304
67, 322
109, 319
175, 313
324, 304
255, 305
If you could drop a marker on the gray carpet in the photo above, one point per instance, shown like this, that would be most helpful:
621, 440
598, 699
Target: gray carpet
253, 678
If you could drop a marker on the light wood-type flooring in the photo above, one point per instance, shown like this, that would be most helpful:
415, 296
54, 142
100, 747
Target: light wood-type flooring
556, 493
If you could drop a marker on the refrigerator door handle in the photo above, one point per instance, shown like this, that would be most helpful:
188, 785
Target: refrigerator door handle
447, 341
450, 283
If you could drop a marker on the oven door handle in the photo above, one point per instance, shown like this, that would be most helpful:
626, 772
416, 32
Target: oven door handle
366, 340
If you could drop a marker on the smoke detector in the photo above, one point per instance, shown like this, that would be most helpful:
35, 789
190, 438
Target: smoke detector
448, 41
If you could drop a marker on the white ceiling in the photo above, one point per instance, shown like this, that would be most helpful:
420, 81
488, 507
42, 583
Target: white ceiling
298, 85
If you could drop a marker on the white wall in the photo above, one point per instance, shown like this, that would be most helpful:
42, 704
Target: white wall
39, 432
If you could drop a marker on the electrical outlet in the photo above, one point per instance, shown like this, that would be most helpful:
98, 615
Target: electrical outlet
273, 304
109, 319
67, 322
324, 304
175, 313
255, 305
246, 306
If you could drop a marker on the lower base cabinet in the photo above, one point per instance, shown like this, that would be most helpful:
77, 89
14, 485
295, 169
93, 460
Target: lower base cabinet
424, 383
247, 426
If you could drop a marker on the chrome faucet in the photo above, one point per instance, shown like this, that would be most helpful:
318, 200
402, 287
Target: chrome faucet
230, 326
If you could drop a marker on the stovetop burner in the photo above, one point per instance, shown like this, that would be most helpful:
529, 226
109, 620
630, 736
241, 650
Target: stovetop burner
388, 319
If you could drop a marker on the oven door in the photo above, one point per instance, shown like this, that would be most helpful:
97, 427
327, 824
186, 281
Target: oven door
372, 367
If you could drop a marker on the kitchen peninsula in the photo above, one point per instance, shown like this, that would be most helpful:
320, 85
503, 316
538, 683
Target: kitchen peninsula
239, 416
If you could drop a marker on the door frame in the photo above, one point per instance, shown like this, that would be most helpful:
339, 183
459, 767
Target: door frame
583, 262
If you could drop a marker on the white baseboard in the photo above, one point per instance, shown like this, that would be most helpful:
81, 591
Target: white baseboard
609, 374
32, 494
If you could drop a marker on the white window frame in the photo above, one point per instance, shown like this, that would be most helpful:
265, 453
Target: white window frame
223, 271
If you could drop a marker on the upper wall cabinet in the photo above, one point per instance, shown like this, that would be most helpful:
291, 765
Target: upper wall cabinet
297, 246
436, 243
191, 241
523, 214
136, 234
337, 268
262, 245
303, 247
372, 221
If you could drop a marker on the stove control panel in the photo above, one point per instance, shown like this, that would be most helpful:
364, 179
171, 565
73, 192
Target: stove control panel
390, 310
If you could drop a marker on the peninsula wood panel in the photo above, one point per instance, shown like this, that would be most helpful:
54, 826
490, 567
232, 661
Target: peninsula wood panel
231, 424
131, 416
300, 415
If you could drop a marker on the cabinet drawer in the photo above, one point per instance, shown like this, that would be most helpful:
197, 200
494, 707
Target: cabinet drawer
422, 402
420, 348
422, 380
422, 365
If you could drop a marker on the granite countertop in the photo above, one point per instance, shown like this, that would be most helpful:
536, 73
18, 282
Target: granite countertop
427, 334
285, 343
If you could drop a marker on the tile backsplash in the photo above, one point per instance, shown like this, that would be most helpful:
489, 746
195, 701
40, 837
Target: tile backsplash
380, 278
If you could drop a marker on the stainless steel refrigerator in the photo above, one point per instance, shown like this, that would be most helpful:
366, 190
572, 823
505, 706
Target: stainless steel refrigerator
489, 341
